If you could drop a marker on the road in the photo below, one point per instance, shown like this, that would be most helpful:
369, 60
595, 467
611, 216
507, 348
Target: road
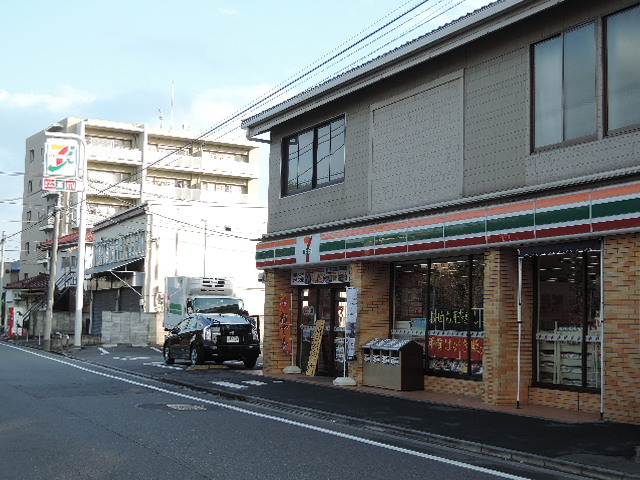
66, 419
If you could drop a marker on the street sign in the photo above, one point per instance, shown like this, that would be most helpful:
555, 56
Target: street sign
60, 184
61, 158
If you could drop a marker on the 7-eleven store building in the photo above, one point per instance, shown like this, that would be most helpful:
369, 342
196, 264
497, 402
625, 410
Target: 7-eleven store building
535, 301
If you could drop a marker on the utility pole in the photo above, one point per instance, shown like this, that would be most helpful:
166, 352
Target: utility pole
2, 313
204, 263
53, 259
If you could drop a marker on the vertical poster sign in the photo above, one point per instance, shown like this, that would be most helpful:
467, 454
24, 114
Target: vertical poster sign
12, 332
352, 317
285, 322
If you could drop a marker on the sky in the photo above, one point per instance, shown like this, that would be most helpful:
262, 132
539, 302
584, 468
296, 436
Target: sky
124, 60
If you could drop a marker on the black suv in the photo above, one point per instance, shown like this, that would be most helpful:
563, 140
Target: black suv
218, 337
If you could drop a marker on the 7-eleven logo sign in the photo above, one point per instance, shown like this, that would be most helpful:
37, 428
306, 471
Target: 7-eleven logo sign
61, 158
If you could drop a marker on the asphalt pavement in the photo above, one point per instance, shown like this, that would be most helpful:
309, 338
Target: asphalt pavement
595, 449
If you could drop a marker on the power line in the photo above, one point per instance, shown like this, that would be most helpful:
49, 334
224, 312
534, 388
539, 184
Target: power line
308, 72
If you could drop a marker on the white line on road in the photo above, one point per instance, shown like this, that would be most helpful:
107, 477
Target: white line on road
254, 382
229, 385
346, 436
162, 365
131, 358
103, 351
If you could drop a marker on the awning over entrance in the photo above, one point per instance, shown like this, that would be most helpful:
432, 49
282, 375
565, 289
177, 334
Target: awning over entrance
111, 266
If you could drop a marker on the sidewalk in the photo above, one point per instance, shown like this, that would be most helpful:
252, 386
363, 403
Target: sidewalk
573, 442
563, 440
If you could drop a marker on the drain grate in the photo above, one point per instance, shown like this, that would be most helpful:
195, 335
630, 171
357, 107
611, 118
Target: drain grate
181, 407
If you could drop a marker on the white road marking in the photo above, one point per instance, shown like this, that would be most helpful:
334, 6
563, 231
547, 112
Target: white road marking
254, 382
103, 351
266, 416
230, 385
162, 365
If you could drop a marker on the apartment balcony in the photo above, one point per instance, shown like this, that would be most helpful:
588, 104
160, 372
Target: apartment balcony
47, 225
113, 189
100, 153
92, 218
182, 162
43, 256
155, 192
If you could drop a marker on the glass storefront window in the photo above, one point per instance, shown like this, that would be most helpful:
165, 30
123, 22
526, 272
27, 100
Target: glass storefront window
568, 319
449, 293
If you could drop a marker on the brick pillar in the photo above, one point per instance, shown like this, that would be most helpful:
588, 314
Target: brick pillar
501, 327
277, 283
373, 281
622, 328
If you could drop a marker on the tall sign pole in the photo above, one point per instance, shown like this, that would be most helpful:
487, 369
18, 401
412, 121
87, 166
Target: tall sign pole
62, 163
53, 260
82, 238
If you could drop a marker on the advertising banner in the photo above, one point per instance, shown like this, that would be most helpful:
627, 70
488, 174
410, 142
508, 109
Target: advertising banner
285, 322
352, 317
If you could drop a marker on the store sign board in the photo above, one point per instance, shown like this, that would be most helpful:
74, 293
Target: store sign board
60, 184
320, 275
61, 158
314, 354
594, 212
308, 249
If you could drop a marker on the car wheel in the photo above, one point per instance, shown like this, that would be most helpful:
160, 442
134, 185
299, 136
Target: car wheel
250, 362
196, 355
168, 359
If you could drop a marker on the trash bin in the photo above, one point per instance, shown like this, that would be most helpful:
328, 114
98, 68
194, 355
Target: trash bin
393, 364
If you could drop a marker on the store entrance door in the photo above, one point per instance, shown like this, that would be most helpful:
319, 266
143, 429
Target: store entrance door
328, 304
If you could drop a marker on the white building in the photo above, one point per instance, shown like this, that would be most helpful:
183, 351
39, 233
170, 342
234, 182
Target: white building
135, 251
129, 165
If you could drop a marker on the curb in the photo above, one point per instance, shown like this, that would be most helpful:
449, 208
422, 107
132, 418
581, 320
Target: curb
586, 471
564, 466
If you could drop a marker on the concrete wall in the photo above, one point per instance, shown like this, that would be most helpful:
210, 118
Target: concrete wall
131, 328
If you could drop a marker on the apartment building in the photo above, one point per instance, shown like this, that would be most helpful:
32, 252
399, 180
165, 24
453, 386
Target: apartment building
194, 184
130, 164
475, 191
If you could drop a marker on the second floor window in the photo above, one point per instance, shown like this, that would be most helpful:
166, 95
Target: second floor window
570, 81
565, 87
623, 69
314, 158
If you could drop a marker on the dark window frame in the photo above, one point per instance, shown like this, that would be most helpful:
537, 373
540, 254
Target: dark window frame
532, 59
535, 327
314, 183
606, 73
602, 79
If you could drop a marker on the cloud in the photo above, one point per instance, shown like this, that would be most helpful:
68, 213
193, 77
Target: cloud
67, 99
229, 11
214, 106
